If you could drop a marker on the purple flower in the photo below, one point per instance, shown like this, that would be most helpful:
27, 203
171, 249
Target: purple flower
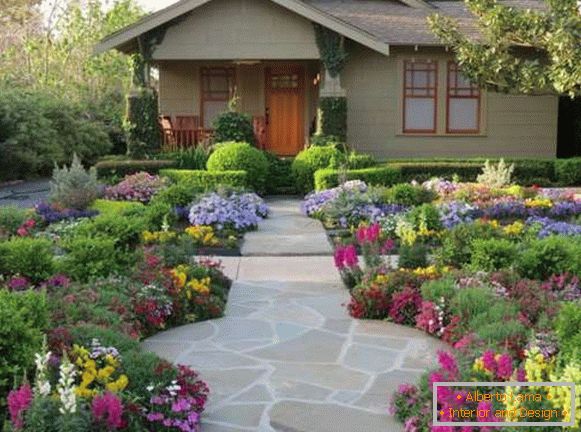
155, 417
137, 187
457, 212
18, 283
241, 212
548, 227
50, 214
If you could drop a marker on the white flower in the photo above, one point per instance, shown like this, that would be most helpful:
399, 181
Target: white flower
66, 387
150, 388
41, 383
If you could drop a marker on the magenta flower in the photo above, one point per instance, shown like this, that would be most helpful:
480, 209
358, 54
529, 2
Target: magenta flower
489, 361
448, 362
504, 367
346, 257
108, 409
368, 234
18, 283
18, 402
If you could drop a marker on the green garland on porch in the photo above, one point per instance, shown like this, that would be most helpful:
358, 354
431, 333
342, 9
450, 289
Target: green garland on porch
331, 49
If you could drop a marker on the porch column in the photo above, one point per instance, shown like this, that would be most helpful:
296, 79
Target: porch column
332, 112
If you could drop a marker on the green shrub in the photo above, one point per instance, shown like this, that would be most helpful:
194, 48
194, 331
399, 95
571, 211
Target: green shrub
422, 171
333, 116
437, 289
376, 176
528, 172
141, 367
425, 216
157, 214
568, 329
408, 195
117, 208
470, 302
126, 231
492, 254
309, 161
542, 258
280, 178
122, 168
74, 187
326, 140
414, 256
359, 161
499, 324
194, 158
207, 180
456, 249
11, 218
91, 257
142, 114
85, 333
238, 156
28, 257
568, 171
233, 126
179, 194
23, 319
39, 129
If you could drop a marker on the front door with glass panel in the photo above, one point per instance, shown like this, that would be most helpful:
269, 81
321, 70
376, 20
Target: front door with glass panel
285, 107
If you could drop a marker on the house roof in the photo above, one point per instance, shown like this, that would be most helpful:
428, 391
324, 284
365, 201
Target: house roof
395, 23
376, 24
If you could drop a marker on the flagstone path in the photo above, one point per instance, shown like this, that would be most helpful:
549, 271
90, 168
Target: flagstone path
286, 356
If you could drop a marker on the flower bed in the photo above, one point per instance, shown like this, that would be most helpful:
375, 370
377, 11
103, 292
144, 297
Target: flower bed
494, 272
91, 285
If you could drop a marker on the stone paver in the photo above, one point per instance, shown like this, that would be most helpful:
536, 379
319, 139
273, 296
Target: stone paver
24, 194
287, 357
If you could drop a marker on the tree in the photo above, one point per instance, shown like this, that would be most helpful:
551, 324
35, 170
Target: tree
524, 50
59, 57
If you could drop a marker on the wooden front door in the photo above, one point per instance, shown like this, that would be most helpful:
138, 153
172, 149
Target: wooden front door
285, 108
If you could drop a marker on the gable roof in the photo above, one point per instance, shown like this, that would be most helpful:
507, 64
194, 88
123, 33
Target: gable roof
376, 24
125, 39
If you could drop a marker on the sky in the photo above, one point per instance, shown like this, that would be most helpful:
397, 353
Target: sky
154, 5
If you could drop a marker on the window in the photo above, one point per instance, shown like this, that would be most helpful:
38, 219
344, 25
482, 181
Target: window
463, 103
217, 90
420, 96
285, 81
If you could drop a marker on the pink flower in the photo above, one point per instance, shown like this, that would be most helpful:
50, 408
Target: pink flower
30, 223
18, 402
368, 234
448, 362
18, 283
489, 361
435, 377
108, 409
521, 375
427, 320
504, 367
22, 232
346, 257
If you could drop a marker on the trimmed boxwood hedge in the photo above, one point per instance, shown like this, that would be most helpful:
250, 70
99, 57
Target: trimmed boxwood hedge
383, 176
121, 168
568, 171
205, 180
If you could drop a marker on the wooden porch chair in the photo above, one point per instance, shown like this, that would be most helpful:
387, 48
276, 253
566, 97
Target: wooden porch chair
259, 125
169, 142
186, 130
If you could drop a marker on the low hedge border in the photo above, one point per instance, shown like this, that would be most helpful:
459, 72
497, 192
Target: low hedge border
380, 176
542, 172
206, 180
121, 168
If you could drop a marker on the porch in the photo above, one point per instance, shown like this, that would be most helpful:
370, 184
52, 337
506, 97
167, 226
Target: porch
280, 96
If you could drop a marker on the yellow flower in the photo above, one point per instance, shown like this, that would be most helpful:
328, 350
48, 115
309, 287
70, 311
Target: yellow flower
179, 277
539, 202
478, 365
118, 385
201, 286
381, 279
202, 234
104, 374
514, 229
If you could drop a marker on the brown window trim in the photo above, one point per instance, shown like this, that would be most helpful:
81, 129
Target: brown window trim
431, 90
206, 95
475, 93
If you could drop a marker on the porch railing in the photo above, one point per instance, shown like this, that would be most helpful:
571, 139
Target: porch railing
183, 132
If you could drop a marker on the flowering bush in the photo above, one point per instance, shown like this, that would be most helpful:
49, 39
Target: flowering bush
136, 187
49, 214
178, 406
240, 212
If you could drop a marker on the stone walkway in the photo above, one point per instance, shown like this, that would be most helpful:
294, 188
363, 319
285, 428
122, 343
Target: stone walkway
287, 357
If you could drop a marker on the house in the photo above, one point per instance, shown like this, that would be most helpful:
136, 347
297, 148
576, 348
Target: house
405, 95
